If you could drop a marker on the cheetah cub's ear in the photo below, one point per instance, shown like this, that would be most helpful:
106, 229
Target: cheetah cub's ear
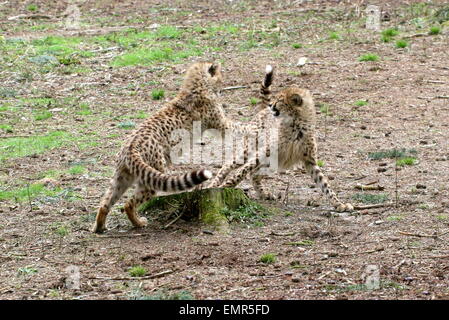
296, 99
213, 69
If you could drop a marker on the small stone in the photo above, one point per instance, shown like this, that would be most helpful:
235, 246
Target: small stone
421, 186
382, 169
378, 222
363, 127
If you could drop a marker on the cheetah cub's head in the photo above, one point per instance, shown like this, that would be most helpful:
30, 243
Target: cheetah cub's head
293, 103
203, 78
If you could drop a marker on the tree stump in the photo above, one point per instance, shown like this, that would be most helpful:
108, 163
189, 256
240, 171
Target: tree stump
208, 205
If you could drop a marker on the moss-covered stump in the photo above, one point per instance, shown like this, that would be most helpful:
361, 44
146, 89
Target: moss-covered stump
209, 205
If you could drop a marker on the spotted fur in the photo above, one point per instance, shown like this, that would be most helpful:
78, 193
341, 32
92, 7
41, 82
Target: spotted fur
146, 154
292, 111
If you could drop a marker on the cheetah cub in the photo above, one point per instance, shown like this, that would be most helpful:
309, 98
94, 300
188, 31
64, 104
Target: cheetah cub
146, 154
292, 112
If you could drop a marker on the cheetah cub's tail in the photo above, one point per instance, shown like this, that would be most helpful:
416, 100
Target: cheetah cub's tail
158, 181
265, 91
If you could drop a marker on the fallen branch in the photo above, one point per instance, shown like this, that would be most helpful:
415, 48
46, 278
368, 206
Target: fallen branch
174, 220
29, 16
369, 187
363, 252
131, 235
156, 275
234, 88
416, 35
372, 206
282, 234
418, 235
435, 81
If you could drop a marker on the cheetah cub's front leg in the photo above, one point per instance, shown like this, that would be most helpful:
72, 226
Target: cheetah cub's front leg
319, 178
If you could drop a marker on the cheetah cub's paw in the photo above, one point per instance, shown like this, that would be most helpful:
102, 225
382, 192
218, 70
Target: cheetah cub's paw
269, 196
345, 207
98, 229
141, 222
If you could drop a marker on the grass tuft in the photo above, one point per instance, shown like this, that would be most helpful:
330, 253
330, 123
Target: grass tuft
268, 258
157, 94
137, 271
369, 57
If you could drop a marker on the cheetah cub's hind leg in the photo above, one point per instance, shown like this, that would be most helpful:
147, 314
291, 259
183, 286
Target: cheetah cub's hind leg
121, 182
141, 195
318, 177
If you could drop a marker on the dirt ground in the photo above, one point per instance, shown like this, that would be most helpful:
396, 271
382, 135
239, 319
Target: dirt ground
398, 102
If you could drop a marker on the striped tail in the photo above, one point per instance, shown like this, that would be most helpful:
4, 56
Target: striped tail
158, 181
265, 91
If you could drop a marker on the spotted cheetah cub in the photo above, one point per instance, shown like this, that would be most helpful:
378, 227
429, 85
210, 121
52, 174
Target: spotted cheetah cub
292, 112
146, 154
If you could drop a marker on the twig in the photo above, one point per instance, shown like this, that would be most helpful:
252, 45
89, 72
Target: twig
282, 234
418, 235
174, 220
416, 35
363, 252
156, 275
435, 81
234, 88
369, 187
372, 206
30, 16
130, 235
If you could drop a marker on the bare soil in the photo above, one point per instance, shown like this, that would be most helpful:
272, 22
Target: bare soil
319, 254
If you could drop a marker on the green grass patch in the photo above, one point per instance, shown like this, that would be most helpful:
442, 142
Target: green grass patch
407, 161
302, 243
320, 163
252, 213
401, 44
325, 109
84, 109
253, 101
26, 193
370, 198
157, 94
24, 146
26, 270
268, 258
32, 7
334, 36
137, 271
297, 45
391, 154
435, 30
391, 32
360, 103
43, 115
77, 169
369, 57
149, 56
6, 128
